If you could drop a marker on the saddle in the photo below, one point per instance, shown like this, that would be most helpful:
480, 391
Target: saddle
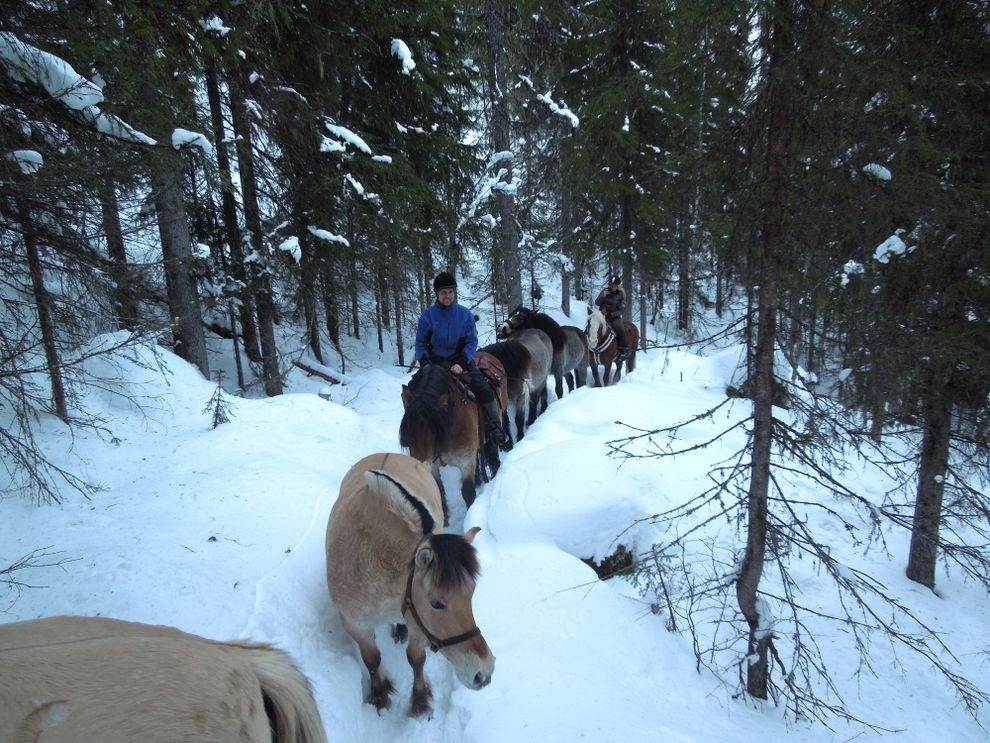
493, 371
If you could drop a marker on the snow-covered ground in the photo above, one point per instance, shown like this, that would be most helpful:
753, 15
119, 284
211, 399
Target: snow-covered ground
220, 533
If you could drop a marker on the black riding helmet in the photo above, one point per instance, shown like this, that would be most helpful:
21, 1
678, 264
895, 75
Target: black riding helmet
612, 280
444, 280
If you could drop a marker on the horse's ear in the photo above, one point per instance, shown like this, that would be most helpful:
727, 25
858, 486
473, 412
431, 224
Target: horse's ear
469, 534
424, 556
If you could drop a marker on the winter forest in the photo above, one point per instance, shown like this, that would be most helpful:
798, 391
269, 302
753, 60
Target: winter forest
809, 179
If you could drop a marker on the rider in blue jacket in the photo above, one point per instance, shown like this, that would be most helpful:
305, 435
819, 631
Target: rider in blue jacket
446, 334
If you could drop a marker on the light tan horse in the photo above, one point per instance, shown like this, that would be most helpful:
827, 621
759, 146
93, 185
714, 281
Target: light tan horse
386, 565
97, 680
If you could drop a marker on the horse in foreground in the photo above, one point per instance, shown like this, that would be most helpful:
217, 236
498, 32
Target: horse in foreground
385, 564
570, 346
604, 347
71, 679
441, 425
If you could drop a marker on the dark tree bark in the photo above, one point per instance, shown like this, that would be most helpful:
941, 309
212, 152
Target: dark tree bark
249, 326
264, 301
932, 467
510, 288
124, 304
43, 304
779, 95
189, 341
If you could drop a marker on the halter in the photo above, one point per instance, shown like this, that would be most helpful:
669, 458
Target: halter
407, 605
603, 344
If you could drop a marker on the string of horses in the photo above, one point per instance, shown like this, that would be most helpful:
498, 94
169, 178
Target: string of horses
388, 562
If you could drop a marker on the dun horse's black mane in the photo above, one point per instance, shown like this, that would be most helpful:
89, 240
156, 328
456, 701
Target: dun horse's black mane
456, 561
542, 321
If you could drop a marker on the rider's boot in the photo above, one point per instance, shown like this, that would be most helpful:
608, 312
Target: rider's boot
495, 431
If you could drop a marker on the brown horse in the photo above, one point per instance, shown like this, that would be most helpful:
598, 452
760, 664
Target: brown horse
385, 564
604, 347
495, 372
441, 425
69, 679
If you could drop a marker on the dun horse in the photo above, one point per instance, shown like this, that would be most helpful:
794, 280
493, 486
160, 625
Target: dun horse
442, 426
385, 564
604, 346
70, 679
570, 347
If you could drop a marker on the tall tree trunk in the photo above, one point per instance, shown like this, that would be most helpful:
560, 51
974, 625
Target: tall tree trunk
246, 312
124, 304
397, 302
627, 219
932, 467
43, 304
262, 284
510, 290
779, 93
683, 273
189, 341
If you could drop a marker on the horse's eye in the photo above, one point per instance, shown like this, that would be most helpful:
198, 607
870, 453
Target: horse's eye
438, 605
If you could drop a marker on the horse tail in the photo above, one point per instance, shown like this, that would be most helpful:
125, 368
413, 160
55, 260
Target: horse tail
288, 697
527, 390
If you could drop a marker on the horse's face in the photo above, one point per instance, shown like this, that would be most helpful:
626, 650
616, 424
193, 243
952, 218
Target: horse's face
446, 612
519, 318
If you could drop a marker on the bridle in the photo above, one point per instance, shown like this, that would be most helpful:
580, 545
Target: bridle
604, 343
407, 605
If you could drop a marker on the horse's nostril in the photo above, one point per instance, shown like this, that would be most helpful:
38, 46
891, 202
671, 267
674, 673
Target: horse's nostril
481, 680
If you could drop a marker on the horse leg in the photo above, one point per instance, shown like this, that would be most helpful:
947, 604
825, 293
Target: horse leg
558, 386
569, 378
534, 404
400, 633
594, 371
381, 685
468, 489
421, 699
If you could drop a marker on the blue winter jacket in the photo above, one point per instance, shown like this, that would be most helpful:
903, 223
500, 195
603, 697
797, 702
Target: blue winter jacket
446, 334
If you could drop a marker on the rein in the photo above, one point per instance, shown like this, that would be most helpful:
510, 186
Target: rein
407, 605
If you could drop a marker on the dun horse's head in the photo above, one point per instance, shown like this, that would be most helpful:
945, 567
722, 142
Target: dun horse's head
441, 587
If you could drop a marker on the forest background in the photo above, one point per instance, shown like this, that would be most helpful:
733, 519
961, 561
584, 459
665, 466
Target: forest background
263, 171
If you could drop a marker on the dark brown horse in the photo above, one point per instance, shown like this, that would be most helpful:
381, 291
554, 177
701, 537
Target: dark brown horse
442, 426
517, 361
570, 347
604, 347
493, 369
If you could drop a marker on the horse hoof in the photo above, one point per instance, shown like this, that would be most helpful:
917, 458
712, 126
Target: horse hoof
421, 703
381, 693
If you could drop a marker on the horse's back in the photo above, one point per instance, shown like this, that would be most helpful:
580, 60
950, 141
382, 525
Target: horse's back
372, 532
540, 349
97, 679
